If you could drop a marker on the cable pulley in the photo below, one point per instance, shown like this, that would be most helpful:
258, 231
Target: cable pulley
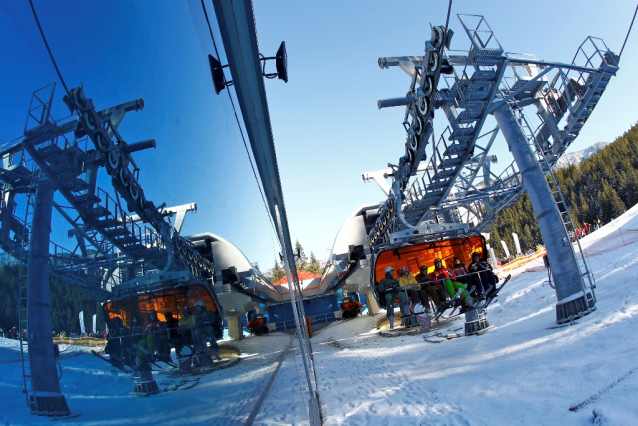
125, 178
114, 158
438, 35
428, 85
434, 61
134, 191
103, 142
423, 105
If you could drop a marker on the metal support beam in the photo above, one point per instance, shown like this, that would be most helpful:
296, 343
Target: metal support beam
237, 27
44, 396
567, 277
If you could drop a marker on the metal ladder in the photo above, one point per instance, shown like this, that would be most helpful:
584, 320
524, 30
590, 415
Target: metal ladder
561, 204
23, 306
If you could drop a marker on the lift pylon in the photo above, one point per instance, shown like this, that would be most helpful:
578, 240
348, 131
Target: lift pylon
474, 88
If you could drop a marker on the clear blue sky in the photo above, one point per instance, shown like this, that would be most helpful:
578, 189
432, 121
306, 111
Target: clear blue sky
326, 125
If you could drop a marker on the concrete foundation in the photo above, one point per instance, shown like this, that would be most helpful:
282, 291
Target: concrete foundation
371, 303
235, 329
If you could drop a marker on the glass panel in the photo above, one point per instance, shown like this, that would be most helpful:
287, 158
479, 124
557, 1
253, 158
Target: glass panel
172, 300
413, 257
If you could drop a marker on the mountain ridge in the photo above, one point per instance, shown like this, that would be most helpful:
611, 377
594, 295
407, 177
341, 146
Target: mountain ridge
575, 158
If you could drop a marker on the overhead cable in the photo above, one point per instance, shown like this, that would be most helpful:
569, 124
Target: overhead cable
628, 31
37, 21
252, 166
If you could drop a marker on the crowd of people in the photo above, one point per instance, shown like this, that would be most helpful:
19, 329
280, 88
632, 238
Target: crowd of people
11, 333
140, 344
473, 281
582, 231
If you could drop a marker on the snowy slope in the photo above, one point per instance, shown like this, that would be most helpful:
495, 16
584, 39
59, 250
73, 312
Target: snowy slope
524, 371
579, 156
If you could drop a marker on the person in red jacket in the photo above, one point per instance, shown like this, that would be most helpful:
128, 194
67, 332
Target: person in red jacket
442, 274
460, 271
435, 291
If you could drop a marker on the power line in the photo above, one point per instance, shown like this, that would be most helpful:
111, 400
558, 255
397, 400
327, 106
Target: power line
628, 31
37, 21
241, 131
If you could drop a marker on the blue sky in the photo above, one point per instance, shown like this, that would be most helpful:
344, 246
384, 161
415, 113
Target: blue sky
326, 124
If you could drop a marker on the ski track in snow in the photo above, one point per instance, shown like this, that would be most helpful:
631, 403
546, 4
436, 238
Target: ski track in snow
522, 372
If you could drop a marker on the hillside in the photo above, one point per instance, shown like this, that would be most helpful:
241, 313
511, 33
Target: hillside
576, 158
597, 190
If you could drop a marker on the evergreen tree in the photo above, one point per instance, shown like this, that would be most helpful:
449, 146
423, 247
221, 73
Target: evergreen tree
301, 259
601, 188
314, 266
67, 300
278, 272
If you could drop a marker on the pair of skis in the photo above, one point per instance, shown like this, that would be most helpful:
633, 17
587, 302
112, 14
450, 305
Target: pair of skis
493, 294
452, 303
120, 365
152, 358
128, 369
489, 297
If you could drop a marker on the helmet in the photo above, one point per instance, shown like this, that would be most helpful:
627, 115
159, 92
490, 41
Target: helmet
389, 269
187, 309
200, 303
404, 269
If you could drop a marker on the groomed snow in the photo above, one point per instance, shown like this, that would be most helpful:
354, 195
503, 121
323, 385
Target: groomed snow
523, 371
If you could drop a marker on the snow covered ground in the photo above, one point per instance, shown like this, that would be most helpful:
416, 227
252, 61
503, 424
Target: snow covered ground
524, 371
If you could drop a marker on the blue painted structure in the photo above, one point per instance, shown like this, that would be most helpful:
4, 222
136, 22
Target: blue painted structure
318, 309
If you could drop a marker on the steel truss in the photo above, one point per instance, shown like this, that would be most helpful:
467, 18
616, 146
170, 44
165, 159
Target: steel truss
457, 183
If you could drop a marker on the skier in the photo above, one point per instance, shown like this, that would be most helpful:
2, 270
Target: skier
205, 332
153, 340
116, 346
484, 281
183, 344
434, 290
460, 271
171, 324
444, 275
390, 290
186, 325
415, 294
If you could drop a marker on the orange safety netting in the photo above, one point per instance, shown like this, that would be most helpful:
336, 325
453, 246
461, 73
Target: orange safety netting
519, 261
80, 341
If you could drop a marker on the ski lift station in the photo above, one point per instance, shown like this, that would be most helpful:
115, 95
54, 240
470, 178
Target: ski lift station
438, 198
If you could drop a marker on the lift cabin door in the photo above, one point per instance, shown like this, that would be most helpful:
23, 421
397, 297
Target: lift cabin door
416, 255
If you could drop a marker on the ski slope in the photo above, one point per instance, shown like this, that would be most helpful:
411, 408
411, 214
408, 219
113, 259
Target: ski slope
523, 371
